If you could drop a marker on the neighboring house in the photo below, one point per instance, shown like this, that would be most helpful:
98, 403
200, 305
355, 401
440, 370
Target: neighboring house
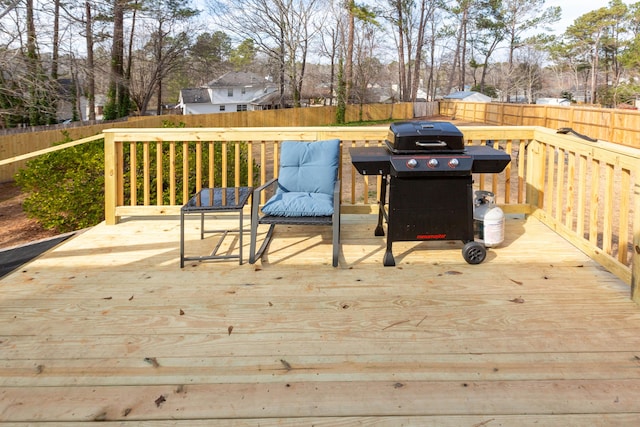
66, 102
232, 92
553, 101
467, 96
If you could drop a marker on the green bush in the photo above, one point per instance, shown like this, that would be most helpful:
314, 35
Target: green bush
179, 177
65, 188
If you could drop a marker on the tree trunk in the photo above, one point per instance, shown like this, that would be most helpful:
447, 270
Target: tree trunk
56, 40
159, 61
594, 69
418, 60
117, 106
402, 83
35, 116
348, 68
91, 79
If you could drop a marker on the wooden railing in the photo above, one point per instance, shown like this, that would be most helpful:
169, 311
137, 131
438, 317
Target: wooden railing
610, 124
589, 192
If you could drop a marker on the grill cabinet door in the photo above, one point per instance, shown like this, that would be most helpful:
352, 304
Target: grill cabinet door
438, 208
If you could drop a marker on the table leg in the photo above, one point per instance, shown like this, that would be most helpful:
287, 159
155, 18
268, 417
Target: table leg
181, 239
240, 231
201, 226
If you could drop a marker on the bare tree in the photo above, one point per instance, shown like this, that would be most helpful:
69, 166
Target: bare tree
520, 16
118, 95
281, 29
462, 10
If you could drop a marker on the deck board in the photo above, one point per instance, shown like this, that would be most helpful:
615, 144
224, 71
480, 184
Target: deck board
99, 328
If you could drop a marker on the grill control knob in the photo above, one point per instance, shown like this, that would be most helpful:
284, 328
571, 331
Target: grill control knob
453, 163
412, 163
432, 163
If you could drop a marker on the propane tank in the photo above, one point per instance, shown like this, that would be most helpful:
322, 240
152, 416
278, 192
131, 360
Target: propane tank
488, 219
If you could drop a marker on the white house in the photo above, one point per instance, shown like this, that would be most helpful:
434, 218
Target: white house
553, 101
234, 91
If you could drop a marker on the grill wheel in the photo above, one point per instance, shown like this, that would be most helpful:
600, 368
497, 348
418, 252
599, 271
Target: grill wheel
474, 252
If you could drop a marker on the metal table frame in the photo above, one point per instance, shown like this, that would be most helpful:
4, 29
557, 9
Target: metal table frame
212, 200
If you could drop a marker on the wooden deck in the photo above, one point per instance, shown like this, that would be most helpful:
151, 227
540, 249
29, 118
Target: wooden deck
106, 327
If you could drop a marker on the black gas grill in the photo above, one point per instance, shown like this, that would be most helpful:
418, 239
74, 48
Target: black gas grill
429, 172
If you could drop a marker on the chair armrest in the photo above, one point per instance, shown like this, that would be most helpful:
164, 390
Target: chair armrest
265, 186
255, 198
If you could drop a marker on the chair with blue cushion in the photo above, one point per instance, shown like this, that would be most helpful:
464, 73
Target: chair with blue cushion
307, 193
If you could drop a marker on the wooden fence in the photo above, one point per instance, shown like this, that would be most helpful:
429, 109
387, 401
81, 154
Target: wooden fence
21, 144
613, 125
588, 192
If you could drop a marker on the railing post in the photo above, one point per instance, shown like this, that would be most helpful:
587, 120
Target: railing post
635, 253
534, 174
110, 179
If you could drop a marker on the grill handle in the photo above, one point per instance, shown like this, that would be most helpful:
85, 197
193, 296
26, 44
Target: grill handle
431, 144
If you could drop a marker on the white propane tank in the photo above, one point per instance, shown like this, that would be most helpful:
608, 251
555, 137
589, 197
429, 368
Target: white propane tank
488, 219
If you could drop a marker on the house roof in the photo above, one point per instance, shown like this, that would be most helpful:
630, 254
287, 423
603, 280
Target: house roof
236, 78
468, 95
195, 96
267, 98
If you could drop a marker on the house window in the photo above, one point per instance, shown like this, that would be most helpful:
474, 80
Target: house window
244, 90
230, 91
241, 107
222, 108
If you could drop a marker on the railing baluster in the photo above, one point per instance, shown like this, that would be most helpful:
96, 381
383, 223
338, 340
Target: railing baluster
507, 173
146, 175
570, 195
607, 230
521, 171
250, 163
595, 202
198, 166
159, 174
172, 172
550, 152
133, 175
582, 195
211, 182
623, 219
237, 167
185, 172
353, 179
559, 188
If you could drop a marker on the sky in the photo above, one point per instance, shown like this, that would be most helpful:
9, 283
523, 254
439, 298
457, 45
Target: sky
572, 9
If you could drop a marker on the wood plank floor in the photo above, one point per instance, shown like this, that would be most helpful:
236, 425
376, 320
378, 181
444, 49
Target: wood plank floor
108, 328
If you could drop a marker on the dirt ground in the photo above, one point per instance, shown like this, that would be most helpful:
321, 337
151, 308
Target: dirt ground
15, 227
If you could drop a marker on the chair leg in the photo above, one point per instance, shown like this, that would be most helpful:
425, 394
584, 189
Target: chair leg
336, 241
257, 255
254, 228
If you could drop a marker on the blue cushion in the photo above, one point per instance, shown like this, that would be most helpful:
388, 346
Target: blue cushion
299, 204
307, 175
308, 167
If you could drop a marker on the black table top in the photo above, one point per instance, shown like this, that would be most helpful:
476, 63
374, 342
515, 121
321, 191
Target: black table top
218, 199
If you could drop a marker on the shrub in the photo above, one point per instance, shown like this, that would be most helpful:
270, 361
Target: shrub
66, 187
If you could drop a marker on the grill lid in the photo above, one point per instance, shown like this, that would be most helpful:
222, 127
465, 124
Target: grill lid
421, 137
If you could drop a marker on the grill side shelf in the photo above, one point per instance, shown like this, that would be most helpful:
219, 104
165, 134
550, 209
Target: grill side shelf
371, 160
487, 159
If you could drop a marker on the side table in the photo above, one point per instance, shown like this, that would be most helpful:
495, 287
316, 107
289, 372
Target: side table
210, 200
